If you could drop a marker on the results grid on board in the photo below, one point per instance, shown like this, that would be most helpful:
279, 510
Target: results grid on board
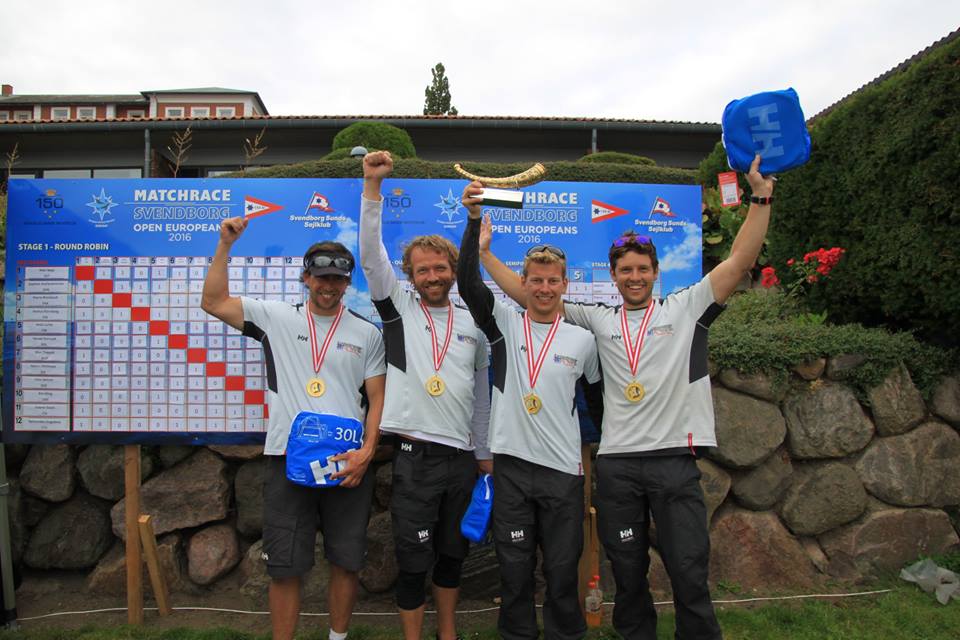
121, 344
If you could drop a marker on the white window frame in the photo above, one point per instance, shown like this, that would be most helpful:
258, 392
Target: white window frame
167, 112
199, 112
23, 115
226, 112
136, 113
64, 113
4, 116
86, 113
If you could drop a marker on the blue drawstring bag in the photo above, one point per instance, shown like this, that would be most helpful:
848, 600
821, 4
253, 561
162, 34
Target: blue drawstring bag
769, 123
314, 439
476, 520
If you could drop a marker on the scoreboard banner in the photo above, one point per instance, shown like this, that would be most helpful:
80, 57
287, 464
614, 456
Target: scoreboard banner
105, 340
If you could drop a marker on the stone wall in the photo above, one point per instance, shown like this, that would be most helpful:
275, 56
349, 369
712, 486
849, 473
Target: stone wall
806, 484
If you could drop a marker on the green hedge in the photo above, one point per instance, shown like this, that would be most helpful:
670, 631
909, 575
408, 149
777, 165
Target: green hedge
376, 135
762, 332
617, 157
414, 168
883, 182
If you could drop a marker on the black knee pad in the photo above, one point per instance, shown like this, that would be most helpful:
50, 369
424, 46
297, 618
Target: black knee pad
410, 591
446, 572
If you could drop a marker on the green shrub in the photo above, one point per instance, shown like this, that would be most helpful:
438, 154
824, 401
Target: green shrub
764, 331
883, 182
617, 157
376, 135
716, 163
339, 154
415, 168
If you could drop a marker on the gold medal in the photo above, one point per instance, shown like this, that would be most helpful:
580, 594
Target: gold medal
634, 391
532, 403
315, 387
435, 386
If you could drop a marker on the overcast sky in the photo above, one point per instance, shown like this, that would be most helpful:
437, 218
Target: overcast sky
589, 58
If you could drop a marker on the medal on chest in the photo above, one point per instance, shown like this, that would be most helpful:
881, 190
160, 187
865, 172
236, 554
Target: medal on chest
532, 402
634, 391
434, 384
316, 387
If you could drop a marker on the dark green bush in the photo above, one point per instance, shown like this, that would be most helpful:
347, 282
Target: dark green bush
414, 168
339, 154
617, 157
763, 331
376, 135
883, 182
716, 163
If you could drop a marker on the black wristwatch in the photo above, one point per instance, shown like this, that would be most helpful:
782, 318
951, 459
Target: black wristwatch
761, 199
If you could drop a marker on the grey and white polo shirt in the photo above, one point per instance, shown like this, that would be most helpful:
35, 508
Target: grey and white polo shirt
354, 355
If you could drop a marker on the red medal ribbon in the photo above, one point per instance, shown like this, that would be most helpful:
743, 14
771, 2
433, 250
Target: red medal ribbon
319, 356
533, 369
438, 353
633, 352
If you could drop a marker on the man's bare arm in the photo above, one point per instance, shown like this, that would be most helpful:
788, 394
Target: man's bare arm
216, 299
746, 246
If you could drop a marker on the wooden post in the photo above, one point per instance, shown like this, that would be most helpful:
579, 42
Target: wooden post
131, 473
157, 579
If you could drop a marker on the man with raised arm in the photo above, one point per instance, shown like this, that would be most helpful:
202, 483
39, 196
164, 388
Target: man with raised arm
658, 417
320, 357
437, 403
534, 435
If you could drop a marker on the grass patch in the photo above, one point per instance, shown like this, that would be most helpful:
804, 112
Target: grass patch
905, 612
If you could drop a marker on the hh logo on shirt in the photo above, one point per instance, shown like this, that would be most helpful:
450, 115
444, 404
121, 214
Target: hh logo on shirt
423, 535
517, 535
406, 446
302, 338
626, 535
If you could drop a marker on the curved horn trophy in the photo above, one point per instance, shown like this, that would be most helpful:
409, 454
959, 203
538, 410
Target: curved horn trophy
496, 191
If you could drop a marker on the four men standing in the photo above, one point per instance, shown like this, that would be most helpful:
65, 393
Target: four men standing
658, 415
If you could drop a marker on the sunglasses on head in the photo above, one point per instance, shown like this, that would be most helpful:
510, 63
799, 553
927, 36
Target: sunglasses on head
628, 239
322, 262
547, 248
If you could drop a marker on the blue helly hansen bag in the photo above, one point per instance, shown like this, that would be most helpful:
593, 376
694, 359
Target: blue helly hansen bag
476, 520
314, 439
769, 123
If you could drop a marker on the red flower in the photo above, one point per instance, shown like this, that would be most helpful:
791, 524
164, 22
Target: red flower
812, 277
768, 277
790, 262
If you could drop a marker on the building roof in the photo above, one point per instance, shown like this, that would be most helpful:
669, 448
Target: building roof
32, 99
201, 90
897, 69
141, 98
412, 121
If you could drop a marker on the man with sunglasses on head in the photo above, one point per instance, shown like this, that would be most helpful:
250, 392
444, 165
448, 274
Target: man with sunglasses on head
534, 435
658, 417
324, 358
437, 404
